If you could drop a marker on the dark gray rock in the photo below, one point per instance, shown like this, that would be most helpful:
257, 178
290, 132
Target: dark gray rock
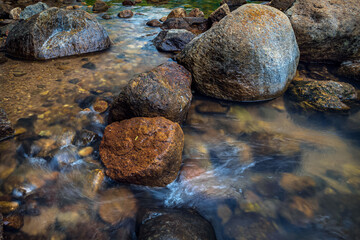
350, 70
233, 4
164, 91
193, 24
282, 5
7, 28
175, 224
57, 33
250, 55
326, 31
4, 10
32, 10
219, 13
6, 129
173, 40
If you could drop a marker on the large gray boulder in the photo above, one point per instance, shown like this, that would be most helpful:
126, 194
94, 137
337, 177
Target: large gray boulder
32, 10
250, 55
326, 30
57, 33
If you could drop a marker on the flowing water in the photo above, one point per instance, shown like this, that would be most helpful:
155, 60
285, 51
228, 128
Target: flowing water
254, 171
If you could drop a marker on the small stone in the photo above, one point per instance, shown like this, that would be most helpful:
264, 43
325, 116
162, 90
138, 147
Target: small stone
95, 180
89, 65
100, 6
100, 105
301, 185
196, 13
15, 13
154, 23
116, 205
126, 14
13, 222
212, 108
163, 19
128, 3
85, 138
19, 131
177, 13
19, 73
74, 81
86, 151
107, 16
173, 40
7, 207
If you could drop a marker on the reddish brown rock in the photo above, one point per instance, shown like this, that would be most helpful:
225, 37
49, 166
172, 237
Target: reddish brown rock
164, 91
177, 13
145, 151
128, 3
154, 23
126, 14
13, 222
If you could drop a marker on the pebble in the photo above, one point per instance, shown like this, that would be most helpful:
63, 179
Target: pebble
100, 106
13, 222
89, 65
19, 73
86, 151
7, 207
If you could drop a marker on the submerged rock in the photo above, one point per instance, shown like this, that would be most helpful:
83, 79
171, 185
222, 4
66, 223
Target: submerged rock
194, 24
350, 70
154, 23
233, 4
300, 185
163, 91
322, 95
116, 205
32, 10
250, 55
13, 222
326, 30
219, 14
177, 224
144, 151
299, 211
6, 128
57, 33
173, 40
100, 6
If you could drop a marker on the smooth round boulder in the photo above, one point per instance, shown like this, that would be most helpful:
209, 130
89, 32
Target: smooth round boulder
164, 91
126, 14
250, 55
144, 151
100, 6
326, 31
57, 33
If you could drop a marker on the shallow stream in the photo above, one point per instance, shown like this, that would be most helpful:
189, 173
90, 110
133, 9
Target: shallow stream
254, 171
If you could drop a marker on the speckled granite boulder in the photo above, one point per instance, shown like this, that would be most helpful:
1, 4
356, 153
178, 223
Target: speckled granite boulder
32, 10
57, 33
250, 55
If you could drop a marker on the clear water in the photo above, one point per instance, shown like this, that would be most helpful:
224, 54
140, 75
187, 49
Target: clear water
255, 171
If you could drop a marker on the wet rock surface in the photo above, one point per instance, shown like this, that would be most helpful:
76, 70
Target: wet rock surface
173, 40
15, 13
282, 5
6, 128
316, 26
145, 151
179, 224
154, 23
322, 95
32, 10
126, 14
231, 60
61, 31
193, 24
164, 91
